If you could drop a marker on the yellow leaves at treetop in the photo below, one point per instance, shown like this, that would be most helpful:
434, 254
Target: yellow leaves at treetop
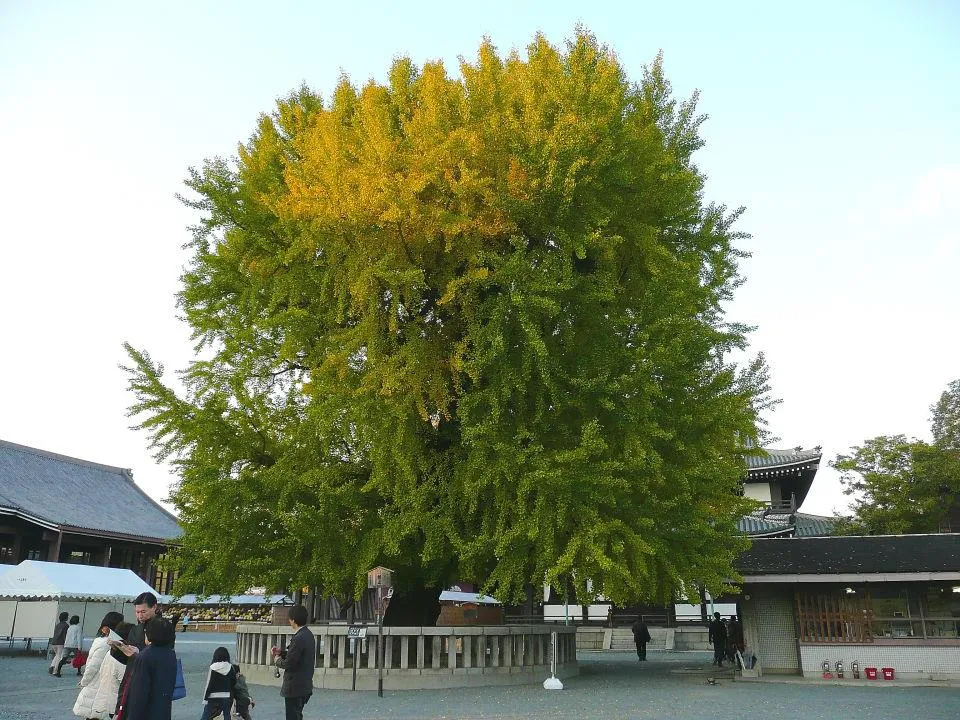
434, 163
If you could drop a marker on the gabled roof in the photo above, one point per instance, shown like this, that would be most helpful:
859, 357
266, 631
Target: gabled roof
828, 558
79, 496
36, 579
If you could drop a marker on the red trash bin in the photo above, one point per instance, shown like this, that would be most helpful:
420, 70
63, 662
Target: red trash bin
888, 673
871, 673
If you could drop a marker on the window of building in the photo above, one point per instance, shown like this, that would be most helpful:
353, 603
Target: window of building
860, 613
839, 615
941, 609
34, 554
79, 557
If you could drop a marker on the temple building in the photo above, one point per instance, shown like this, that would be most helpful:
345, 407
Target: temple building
63, 509
781, 479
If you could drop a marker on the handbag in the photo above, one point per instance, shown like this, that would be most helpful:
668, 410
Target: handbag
80, 659
179, 687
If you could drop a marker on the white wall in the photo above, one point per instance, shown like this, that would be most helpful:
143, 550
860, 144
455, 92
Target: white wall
757, 491
556, 612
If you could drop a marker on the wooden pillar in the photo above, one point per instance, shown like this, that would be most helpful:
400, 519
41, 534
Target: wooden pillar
17, 547
53, 551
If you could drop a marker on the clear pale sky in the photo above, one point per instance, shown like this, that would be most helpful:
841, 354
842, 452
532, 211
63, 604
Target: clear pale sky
835, 124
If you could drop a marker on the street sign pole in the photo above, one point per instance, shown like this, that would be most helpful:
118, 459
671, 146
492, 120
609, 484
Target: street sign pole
356, 633
380, 655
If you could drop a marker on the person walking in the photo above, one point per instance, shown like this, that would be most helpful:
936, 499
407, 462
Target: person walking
57, 642
186, 621
735, 642
297, 661
641, 636
241, 697
99, 652
149, 694
221, 682
718, 638
71, 644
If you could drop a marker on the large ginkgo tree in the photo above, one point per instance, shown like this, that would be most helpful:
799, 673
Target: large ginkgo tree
470, 327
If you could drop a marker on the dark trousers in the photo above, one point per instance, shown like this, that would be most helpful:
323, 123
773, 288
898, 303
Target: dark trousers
67, 657
243, 710
641, 649
215, 706
719, 652
294, 706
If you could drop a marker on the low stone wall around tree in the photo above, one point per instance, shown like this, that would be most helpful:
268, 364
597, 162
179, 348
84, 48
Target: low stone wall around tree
415, 657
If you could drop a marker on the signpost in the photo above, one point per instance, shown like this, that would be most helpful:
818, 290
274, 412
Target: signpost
356, 633
383, 601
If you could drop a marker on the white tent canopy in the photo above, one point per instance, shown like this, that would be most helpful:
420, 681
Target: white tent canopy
33, 579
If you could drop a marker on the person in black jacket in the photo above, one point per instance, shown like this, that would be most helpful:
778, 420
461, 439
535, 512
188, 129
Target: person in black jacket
146, 608
718, 637
57, 641
641, 636
221, 683
149, 695
297, 661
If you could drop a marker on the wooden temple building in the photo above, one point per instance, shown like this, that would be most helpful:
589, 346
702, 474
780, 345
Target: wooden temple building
62, 509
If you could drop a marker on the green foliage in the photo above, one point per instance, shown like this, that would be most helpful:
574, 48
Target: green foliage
945, 419
467, 329
905, 485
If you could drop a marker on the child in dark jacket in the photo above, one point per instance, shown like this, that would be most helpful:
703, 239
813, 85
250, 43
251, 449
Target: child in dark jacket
241, 694
221, 684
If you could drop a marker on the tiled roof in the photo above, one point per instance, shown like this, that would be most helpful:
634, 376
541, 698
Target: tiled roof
67, 492
796, 525
814, 525
752, 525
853, 555
773, 458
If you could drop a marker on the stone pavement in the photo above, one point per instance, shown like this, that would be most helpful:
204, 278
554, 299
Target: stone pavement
612, 685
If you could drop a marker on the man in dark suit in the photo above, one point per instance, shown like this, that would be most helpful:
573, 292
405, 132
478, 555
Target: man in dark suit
297, 661
641, 636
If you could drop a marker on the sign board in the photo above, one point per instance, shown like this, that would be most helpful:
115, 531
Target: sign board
357, 631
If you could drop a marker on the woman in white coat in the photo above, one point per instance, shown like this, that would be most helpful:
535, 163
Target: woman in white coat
99, 651
112, 670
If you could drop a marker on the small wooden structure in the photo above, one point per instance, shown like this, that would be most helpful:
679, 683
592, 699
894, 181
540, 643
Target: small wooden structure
458, 609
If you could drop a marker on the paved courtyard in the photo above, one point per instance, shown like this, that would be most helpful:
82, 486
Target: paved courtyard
612, 685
